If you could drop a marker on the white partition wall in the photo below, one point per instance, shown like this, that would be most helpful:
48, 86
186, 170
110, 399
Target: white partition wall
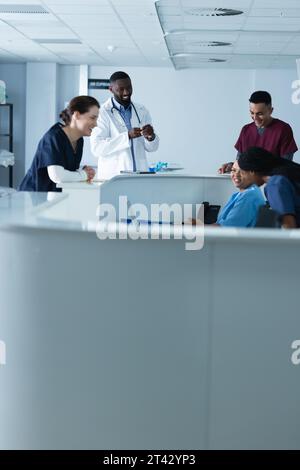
146, 345
143, 344
166, 189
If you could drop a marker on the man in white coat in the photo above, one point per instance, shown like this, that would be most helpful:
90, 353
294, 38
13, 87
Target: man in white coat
124, 132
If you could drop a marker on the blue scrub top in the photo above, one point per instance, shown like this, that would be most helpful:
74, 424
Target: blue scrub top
54, 149
284, 196
242, 208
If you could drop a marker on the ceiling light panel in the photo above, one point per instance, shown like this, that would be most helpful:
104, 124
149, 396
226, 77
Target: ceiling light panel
9, 9
44, 21
71, 3
56, 40
53, 30
68, 48
81, 9
52, 35
21, 2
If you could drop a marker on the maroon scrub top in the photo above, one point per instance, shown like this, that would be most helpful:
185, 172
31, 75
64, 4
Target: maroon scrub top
277, 138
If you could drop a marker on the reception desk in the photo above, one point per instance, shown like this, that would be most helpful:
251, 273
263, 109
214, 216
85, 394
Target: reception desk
142, 189
142, 344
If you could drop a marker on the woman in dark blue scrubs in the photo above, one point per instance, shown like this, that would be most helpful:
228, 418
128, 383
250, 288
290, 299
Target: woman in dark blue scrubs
59, 152
282, 178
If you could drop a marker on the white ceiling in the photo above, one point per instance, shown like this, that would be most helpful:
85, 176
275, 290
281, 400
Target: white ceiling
129, 33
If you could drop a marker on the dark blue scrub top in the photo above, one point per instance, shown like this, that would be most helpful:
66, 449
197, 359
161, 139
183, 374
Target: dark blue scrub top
284, 196
54, 149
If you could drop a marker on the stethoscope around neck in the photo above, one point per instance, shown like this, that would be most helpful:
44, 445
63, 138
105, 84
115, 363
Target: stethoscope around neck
113, 107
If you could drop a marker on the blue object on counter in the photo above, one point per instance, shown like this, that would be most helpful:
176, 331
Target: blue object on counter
160, 166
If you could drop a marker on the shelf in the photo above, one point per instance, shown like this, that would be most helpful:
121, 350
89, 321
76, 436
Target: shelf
6, 116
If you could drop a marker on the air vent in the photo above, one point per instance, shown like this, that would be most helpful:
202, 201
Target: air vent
26, 9
217, 60
209, 43
212, 12
57, 41
196, 57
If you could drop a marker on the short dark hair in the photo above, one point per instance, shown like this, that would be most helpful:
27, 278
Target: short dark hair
259, 160
261, 97
262, 162
82, 104
118, 76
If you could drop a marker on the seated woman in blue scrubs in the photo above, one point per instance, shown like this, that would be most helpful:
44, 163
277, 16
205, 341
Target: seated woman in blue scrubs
242, 208
282, 178
59, 152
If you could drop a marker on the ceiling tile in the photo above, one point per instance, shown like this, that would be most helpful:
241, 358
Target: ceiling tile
267, 32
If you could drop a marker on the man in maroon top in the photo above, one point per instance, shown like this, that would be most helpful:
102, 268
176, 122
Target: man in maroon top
265, 131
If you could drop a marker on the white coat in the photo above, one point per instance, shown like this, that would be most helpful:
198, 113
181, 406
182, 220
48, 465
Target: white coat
111, 144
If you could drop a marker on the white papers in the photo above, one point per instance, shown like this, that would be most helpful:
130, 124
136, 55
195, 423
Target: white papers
6, 158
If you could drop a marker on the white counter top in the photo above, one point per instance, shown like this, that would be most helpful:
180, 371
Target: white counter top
94, 184
61, 211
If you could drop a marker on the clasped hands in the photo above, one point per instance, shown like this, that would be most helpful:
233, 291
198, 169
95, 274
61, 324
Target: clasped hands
146, 131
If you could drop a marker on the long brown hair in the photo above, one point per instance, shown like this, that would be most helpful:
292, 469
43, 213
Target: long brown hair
82, 104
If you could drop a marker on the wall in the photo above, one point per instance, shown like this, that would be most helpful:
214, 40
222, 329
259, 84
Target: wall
67, 84
41, 112
35, 112
279, 83
198, 114
14, 76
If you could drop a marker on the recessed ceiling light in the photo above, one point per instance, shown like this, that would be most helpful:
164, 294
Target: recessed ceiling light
212, 12
57, 41
26, 9
111, 48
